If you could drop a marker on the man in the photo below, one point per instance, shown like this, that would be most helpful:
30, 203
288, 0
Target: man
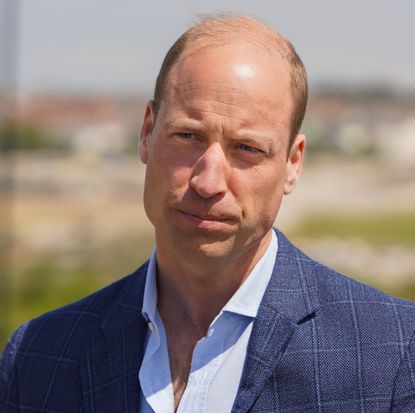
227, 315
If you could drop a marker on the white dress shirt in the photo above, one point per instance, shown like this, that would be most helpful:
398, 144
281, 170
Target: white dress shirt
218, 358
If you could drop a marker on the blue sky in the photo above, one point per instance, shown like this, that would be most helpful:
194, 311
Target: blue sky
108, 45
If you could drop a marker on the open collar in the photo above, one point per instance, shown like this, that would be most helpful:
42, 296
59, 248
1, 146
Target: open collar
109, 371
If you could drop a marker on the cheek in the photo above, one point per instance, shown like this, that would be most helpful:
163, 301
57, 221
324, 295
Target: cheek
167, 170
260, 191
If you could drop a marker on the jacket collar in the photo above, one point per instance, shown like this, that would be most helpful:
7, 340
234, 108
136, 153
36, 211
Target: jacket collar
109, 369
290, 300
109, 373
126, 306
291, 292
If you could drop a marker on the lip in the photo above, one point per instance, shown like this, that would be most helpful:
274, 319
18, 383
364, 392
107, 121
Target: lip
207, 221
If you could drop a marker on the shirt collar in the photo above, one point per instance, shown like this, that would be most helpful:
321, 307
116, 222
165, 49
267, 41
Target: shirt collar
149, 308
246, 299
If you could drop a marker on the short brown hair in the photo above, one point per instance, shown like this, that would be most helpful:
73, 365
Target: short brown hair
217, 29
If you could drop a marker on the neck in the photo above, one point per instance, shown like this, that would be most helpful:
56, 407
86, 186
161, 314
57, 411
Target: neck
191, 294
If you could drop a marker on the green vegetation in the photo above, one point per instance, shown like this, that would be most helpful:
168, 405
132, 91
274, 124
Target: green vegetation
26, 138
406, 291
45, 286
376, 229
49, 282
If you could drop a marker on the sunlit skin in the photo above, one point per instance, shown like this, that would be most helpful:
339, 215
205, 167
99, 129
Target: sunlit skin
218, 166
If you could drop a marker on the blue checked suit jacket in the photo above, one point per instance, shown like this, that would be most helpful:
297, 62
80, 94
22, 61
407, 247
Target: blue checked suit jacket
321, 343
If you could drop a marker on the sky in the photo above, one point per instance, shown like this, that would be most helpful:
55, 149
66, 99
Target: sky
118, 46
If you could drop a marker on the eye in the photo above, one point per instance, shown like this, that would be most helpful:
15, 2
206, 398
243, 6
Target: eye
252, 154
248, 148
186, 135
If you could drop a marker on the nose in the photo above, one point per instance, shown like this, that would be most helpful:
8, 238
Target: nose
210, 173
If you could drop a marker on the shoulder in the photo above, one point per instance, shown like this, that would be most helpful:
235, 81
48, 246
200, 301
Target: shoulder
76, 326
329, 288
357, 333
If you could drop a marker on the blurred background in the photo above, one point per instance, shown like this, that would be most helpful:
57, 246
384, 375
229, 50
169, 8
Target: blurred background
74, 79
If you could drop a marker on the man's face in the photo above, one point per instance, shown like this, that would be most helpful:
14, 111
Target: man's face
218, 162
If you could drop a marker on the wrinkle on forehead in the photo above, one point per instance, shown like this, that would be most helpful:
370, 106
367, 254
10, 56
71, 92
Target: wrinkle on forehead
234, 80
217, 96
224, 92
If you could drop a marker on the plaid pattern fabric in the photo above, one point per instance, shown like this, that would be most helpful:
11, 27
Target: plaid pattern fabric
321, 343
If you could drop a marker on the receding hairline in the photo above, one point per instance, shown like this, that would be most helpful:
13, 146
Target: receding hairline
223, 29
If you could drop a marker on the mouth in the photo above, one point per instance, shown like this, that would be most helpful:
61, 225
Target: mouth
207, 221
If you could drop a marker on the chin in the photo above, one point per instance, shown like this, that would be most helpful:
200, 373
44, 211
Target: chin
210, 251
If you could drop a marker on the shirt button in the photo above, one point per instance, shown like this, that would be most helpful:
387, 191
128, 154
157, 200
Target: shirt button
151, 326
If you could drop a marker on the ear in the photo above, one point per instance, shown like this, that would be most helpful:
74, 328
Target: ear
294, 163
146, 130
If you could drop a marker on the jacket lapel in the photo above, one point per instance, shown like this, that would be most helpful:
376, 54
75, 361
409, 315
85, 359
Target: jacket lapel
288, 301
109, 371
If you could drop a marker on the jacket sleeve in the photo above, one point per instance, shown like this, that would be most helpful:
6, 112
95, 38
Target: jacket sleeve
403, 400
9, 400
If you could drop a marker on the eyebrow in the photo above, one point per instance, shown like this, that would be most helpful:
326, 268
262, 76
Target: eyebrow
255, 140
244, 136
184, 124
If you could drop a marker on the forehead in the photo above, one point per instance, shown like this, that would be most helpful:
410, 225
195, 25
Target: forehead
237, 76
